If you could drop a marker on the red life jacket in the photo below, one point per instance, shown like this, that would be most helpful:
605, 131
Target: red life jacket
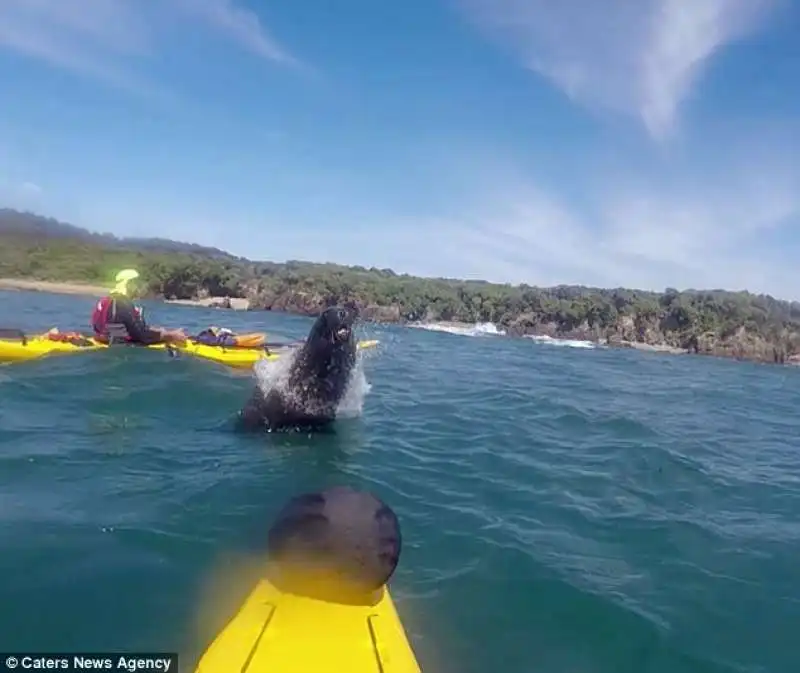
104, 321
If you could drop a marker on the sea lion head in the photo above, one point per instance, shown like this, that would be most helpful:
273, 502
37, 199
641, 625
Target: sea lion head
318, 379
334, 326
323, 366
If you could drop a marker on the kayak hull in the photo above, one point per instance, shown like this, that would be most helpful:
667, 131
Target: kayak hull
33, 348
17, 350
239, 358
275, 631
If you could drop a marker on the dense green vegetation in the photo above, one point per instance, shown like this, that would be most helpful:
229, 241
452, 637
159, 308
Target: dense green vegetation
710, 321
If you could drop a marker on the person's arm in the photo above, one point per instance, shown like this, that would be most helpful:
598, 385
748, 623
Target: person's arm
137, 328
170, 335
142, 333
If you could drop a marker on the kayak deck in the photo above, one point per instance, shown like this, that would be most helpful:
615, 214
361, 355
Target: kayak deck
33, 347
276, 631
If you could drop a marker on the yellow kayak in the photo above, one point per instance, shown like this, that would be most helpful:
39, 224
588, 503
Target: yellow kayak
22, 348
276, 632
240, 358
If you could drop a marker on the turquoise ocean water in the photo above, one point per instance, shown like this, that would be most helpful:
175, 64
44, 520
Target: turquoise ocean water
564, 510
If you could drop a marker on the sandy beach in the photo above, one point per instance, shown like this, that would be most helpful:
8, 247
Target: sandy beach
237, 304
98, 291
52, 286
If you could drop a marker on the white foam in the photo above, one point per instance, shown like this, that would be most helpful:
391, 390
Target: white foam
566, 343
476, 330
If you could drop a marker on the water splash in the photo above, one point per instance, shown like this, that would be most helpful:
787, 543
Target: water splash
476, 330
274, 375
352, 404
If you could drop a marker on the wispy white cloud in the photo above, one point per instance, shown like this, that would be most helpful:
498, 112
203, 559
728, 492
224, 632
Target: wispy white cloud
730, 232
707, 215
30, 188
17, 194
66, 47
639, 57
111, 40
736, 229
719, 210
737, 233
239, 24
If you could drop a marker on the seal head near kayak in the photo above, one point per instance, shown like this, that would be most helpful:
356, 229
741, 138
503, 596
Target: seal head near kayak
317, 381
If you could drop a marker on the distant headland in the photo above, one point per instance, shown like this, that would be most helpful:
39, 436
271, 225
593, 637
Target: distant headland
42, 253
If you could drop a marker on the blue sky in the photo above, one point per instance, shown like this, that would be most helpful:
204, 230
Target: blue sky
645, 144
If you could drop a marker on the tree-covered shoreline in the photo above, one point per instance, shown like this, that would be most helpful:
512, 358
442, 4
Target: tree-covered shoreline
716, 322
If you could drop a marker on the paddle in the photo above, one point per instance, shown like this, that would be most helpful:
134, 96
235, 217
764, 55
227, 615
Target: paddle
210, 335
218, 338
273, 345
9, 333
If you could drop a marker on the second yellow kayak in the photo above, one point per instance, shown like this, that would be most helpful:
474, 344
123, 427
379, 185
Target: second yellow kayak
23, 348
241, 358
277, 632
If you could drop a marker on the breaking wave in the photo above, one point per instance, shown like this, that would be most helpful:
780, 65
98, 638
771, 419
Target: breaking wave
476, 330
566, 343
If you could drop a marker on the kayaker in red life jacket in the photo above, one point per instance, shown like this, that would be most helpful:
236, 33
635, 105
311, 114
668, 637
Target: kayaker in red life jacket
116, 319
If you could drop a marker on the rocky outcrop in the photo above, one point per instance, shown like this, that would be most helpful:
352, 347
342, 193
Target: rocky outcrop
646, 335
652, 332
303, 303
311, 304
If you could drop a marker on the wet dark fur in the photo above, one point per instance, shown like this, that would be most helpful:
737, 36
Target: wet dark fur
317, 382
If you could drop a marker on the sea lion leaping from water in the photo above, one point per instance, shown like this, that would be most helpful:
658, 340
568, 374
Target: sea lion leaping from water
318, 378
